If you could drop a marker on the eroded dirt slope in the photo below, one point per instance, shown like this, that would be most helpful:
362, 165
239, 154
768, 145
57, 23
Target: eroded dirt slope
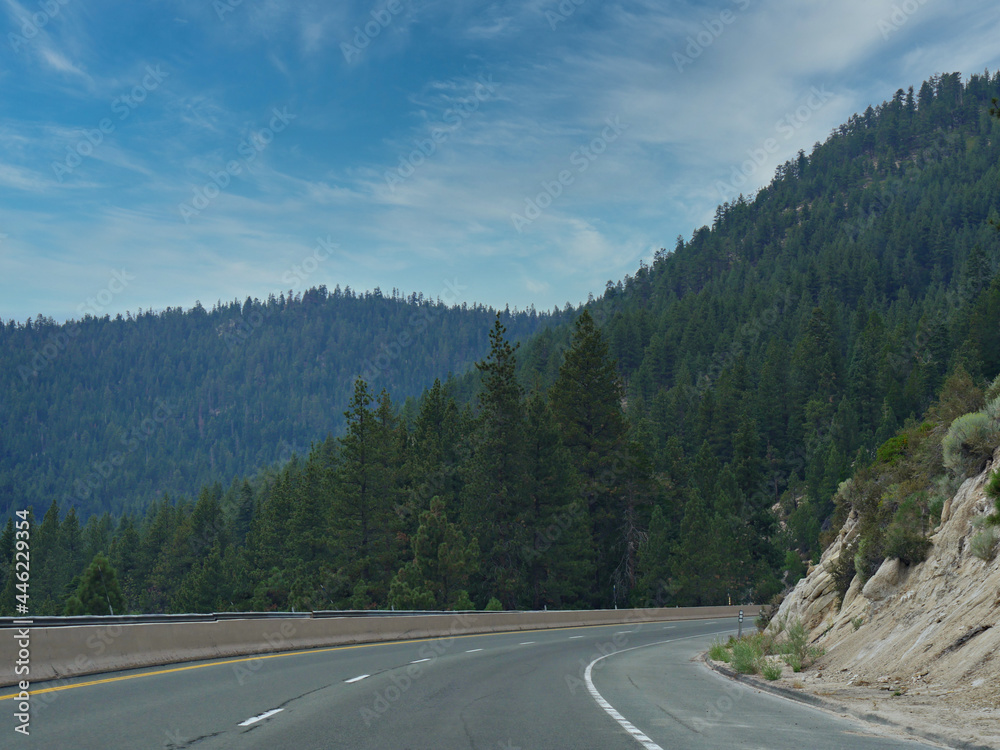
917, 643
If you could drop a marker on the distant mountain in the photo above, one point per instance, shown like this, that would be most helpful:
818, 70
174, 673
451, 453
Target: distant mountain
109, 414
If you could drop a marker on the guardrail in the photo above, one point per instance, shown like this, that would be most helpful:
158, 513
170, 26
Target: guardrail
73, 646
61, 622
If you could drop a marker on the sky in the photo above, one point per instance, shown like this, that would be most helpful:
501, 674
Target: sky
154, 154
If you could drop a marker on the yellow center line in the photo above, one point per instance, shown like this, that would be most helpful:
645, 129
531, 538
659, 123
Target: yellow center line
294, 653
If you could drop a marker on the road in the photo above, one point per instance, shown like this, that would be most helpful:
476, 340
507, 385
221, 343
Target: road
621, 687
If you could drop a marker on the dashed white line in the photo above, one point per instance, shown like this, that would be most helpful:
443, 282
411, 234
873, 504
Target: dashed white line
623, 632
575, 636
526, 643
255, 719
670, 627
473, 650
419, 661
359, 678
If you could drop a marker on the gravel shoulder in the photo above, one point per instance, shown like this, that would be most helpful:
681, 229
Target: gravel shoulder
923, 713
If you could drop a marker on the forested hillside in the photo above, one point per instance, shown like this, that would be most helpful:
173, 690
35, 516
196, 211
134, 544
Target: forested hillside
802, 329
109, 414
681, 443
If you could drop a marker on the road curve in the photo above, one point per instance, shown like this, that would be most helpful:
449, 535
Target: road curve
621, 687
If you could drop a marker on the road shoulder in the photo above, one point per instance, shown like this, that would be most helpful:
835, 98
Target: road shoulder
899, 720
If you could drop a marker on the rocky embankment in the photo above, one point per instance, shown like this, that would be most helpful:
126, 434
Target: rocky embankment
916, 644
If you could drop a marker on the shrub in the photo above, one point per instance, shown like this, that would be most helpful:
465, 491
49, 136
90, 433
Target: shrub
983, 543
794, 662
970, 443
934, 508
746, 656
993, 392
494, 605
771, 670
905, 537
993, 491
869, 557
891, 450
717, 651
842, 570
992, 411
796, 649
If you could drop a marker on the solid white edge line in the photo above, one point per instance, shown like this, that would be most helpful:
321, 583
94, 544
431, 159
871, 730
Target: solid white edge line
255, 719
625, 724
359, 678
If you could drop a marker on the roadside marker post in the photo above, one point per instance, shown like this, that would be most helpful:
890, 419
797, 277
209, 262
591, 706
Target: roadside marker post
739, 633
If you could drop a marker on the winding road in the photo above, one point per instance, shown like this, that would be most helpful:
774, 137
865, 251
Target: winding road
620, 687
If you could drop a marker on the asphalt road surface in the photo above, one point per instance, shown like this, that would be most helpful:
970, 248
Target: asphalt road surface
622, 687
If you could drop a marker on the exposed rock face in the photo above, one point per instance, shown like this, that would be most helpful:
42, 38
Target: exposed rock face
930, 628
883, 583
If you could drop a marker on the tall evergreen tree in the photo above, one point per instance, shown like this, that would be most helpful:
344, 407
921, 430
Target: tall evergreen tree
587, 403
495, 500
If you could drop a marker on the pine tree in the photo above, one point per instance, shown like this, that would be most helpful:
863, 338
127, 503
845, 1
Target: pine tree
587, 403
696, 565
363, 513
98, 592
494, 500
558, 555
442, 562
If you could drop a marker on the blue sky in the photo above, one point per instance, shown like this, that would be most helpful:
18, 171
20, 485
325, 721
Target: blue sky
157, 153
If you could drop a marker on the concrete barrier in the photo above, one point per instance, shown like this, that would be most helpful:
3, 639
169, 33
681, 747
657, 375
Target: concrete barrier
58, 652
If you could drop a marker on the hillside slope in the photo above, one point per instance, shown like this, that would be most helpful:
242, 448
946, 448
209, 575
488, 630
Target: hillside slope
108, 414
918, 642
800, 330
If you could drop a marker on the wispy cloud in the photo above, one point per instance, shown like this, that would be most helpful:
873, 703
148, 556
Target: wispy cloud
400, 155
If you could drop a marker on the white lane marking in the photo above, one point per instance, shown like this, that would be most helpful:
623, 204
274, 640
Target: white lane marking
623, 632
575, 636
359, 678
625, 724
670, 627
255, 719
419, 661
526, 643
473, 650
